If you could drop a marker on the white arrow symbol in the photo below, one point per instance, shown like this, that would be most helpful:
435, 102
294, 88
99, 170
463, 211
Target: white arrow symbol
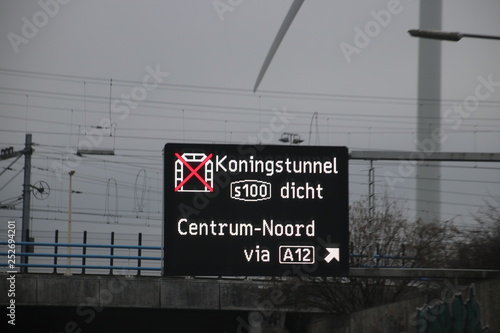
333, 252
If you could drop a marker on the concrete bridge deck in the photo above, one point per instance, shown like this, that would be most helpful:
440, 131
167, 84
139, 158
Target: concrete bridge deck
182, 292
106, 303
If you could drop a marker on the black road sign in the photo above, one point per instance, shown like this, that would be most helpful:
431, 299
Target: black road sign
243, 210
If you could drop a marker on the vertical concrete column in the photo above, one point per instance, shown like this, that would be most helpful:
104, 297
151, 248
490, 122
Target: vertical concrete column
428, 112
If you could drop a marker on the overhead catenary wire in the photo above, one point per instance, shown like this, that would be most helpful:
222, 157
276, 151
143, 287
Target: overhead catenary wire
437, 117
14, 177
11, 164
185, 105
224, 90
380, 130
389, 118
173, 138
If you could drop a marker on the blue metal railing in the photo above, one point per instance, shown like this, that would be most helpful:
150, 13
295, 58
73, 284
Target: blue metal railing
139, 258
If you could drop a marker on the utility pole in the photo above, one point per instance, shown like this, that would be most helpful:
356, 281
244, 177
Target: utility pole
28, 151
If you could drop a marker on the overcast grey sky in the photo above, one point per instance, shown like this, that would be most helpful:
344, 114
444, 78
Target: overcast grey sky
183, 71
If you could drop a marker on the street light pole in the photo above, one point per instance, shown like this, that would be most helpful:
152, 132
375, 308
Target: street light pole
425, 187
71, 173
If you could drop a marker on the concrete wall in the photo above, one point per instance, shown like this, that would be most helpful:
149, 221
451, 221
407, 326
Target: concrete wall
138, 292
215, 294
394, 317
401, 316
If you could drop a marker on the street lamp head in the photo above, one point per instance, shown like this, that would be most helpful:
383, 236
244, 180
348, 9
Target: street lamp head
72, 172
434, 34
92, 151
293, 138
285, 137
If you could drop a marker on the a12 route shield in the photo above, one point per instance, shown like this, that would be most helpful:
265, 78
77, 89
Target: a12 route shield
241, 210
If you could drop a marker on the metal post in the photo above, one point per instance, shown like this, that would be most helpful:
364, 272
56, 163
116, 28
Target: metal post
84, 260
139, 253
71, 173
26, 199
371, 191
112, 252
29, 248
56, 250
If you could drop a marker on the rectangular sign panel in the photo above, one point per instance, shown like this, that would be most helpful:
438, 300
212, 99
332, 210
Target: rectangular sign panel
243, 210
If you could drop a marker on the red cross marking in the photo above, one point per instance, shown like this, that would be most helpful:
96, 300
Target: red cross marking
194, 172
